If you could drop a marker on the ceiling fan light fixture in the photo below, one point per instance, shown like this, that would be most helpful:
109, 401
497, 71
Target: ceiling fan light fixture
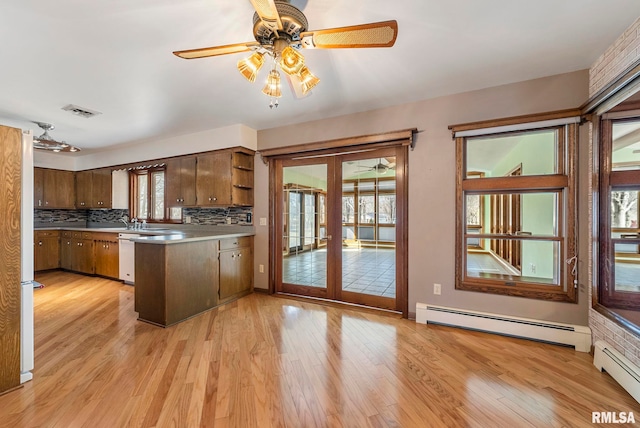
291, 61
307, 80
272, 88
46, 142
250, 66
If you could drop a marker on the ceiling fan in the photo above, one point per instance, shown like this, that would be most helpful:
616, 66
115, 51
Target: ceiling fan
46, 142
381, 168
281, 30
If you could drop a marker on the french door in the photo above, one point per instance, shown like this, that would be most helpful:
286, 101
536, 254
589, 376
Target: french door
337, 220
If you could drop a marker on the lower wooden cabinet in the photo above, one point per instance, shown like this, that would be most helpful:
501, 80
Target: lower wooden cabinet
76, 252
236, 268
46, 250
177, 281
90, 253
107, 254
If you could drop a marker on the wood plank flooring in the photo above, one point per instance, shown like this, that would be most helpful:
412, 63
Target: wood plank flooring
264, 361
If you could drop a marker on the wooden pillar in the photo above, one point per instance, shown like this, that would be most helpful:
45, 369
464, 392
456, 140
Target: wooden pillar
10, 197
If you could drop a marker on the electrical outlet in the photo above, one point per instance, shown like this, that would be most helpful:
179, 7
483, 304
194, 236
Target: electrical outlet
261, 268
533, 267
437, 289
187, 219
263, 221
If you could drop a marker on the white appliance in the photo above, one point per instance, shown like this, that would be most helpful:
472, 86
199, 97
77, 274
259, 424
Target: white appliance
127, 258
26, 279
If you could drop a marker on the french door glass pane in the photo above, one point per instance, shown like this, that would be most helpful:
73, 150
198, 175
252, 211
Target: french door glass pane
304, 260
368, 227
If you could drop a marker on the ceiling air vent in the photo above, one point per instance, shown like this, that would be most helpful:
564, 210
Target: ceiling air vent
81, 111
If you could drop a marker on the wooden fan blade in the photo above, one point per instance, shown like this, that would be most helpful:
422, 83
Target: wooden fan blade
374, 35
268, 13
216, 50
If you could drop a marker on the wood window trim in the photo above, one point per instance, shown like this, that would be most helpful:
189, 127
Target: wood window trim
133, 191
365, 142
566, 292
606, 294
275, 158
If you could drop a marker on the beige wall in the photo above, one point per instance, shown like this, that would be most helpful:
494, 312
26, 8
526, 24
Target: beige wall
619, 56
432, 183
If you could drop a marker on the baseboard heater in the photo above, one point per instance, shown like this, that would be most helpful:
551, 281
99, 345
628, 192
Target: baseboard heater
557, 333
627, 374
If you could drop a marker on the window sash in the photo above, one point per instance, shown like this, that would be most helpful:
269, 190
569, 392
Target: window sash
562, 183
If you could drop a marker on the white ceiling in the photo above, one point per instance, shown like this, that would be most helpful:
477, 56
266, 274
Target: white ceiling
114, 56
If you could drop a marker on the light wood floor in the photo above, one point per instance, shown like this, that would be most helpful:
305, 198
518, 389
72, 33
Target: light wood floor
265, 361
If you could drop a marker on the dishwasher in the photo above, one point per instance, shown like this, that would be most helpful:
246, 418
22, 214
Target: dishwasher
127, 258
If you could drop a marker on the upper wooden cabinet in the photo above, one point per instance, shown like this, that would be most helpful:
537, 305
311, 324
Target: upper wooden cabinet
180, 182
225, 178
53, 188
93, 188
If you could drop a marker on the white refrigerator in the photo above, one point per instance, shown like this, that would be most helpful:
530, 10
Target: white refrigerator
26, 280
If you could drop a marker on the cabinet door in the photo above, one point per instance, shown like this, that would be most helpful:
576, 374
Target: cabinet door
188, 181
245, 270
82, 258
106, 258
180, 182
83, 189
38, 188
47, 253
228, 274
59, 189
66, 253
101, 191
213, 179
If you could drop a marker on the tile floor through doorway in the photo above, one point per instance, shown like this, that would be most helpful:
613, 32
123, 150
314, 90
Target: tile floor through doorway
364, 270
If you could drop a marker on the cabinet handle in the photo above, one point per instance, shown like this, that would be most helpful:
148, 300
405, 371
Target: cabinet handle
40, 243
239, 254
39, 202
233, 256
46, 202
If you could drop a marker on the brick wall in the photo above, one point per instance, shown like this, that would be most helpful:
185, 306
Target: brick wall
624, 51
620, 55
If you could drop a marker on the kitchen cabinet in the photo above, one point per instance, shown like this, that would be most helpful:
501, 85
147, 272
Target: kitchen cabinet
54, 188
93, 188
46, 250
225, 178
180, 182
106, 257
76, 252
236, 268
175, 282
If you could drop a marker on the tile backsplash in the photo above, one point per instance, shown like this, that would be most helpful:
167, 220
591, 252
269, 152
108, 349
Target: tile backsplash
218, 216
60, 216
202, 216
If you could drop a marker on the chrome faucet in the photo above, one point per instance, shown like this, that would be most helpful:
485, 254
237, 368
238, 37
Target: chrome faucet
126, 223
135, 223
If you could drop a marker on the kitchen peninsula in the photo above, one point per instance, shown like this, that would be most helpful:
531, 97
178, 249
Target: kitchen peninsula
181, 275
